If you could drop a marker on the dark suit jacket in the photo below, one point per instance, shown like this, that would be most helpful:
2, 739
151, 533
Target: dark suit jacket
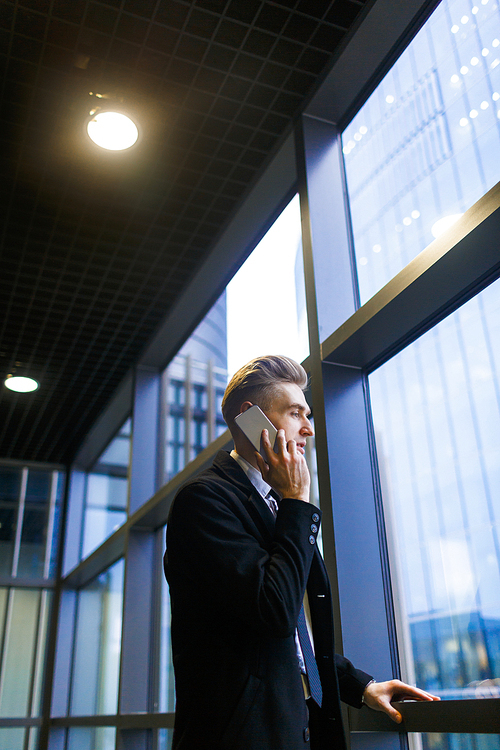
237, 580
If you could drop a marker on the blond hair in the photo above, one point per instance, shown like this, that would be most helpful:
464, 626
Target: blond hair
258, 382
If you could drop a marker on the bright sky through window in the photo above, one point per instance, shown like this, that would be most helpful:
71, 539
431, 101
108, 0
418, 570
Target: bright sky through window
265, 300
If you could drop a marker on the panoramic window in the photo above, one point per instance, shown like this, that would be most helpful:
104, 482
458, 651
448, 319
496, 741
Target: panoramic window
436, 412
241, 325
426, 145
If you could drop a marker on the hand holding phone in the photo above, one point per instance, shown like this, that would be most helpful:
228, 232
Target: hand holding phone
252, 422
286, 472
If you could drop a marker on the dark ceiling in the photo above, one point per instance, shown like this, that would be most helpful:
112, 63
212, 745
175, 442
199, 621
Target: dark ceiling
96, 246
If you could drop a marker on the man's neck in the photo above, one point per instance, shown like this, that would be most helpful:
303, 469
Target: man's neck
246, 452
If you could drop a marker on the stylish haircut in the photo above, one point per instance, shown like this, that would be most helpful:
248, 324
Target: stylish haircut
258, 382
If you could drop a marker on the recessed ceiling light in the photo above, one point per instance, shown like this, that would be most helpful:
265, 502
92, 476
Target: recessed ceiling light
112, 130
20, 384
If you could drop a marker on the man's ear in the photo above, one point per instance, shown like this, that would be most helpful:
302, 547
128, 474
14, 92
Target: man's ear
245, 406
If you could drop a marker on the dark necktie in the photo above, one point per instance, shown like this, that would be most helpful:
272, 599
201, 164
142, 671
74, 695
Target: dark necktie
305, 642
310, 662
274, 499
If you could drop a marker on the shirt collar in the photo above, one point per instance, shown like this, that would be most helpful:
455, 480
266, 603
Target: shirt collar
253, 474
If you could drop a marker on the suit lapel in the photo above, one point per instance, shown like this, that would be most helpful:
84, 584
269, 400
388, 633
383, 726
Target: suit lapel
251, 500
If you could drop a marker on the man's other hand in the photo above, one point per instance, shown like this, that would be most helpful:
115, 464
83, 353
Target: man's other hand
286, 469
378, 695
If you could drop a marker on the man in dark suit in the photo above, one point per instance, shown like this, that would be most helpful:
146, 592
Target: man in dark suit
246, 580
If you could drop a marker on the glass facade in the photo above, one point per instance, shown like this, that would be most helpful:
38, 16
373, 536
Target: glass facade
106, 491
436, 411
96, 657
423, 148
426, 144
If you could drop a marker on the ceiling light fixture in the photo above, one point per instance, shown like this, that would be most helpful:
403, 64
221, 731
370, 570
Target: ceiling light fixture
20, 384
112, 130
110, 124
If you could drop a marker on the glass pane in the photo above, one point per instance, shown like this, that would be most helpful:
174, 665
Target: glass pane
107, 491
10, 485
19, 652
165, 739
313, 469
12, 738
33, 743
459, 742
426, 144
10, 488
91, 738
38, 487
34, 528
45, 604
436, 410
56, 524
106, 502
118, 451
269, 285
97, 645
32, 552
167, 688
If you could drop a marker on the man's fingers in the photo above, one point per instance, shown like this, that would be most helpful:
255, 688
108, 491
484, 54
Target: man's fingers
414, 693
263, 467
281, 442
393, 713
266, 443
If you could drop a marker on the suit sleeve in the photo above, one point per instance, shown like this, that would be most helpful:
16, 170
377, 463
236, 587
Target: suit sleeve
352, 681
212, 548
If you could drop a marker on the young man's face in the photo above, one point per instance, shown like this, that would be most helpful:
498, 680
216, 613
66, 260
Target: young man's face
289, 411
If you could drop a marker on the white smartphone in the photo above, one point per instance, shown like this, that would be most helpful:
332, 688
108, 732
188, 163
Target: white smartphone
252, 422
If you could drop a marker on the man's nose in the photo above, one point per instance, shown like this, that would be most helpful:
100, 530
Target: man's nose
307, 429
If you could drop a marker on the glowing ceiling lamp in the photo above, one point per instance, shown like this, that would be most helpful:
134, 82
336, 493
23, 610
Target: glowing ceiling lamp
442, 225
20, 384
112, 130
